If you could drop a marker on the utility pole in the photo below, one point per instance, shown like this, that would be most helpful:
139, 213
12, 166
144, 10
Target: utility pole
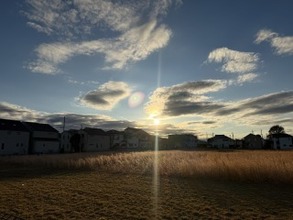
63, 123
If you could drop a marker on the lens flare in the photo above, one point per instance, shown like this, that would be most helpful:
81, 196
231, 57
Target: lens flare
135, 99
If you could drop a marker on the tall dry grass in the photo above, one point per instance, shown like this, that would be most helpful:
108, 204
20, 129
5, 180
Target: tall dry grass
252, 166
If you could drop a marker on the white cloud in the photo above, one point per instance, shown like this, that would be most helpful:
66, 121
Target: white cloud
264, 35
137, 44
73, 17
234, 61
106, 96
134, 45
73, 20
281, 45
248, 77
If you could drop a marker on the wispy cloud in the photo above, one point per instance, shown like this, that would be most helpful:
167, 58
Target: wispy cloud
266, 110
234, 61
72, 21
106, 96
247, 77
183, 98
281, 45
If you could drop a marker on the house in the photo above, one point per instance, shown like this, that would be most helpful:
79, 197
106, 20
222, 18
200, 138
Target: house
116, 139
252, 141
14, 137
221, 142
138, 139
281, 141
66, 138
163, 143
93, 140
182, 141
44, 138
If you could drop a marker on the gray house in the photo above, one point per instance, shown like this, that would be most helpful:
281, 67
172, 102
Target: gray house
44, 138
282, 141
252, 141
14, 137
221, 141
182, 141
94, 139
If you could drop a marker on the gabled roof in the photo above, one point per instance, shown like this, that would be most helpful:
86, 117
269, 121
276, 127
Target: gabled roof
252, 135
94, 131
136, 131
12, 125
220, 137
32, 126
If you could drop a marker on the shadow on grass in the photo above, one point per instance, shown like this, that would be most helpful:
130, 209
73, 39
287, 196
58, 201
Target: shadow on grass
16, 172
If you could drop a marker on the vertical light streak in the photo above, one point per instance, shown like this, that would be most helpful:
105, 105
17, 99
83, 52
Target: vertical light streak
156, 174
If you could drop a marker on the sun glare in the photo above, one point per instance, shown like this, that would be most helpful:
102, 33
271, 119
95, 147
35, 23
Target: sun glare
156, 121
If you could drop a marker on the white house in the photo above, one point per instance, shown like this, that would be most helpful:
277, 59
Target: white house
44, 138
182, 141
94, 139
221, 141
14, 137
282, 141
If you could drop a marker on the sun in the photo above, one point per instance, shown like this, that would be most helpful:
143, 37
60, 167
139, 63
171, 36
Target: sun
156, 121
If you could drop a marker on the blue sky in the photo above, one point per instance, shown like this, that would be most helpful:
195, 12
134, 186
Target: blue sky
204, 66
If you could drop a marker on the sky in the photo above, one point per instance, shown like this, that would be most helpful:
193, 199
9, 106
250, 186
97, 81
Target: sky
204, 67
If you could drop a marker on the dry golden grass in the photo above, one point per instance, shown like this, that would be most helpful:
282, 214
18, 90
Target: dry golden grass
120, 185
252, 166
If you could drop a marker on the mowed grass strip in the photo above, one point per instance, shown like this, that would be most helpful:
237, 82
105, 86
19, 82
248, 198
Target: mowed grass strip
244, 166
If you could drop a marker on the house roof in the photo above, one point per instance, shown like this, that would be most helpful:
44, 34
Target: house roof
252, 135
12, 125
136, 131
220, 137
94, 131
32, 126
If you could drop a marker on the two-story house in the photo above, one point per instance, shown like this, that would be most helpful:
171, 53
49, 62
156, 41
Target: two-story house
14, 137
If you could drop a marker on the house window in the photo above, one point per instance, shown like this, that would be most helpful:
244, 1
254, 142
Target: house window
44, 145
2, 146
21, 144
17, 144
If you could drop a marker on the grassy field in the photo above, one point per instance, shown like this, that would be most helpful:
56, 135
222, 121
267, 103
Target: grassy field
192, 185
